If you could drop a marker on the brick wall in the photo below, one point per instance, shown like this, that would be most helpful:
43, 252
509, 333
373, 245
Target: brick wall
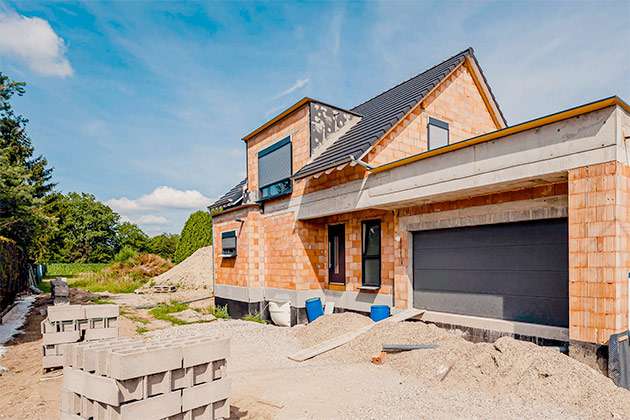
297, 126
599, 245
456, 101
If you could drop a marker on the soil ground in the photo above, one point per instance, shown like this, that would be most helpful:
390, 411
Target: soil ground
343, 384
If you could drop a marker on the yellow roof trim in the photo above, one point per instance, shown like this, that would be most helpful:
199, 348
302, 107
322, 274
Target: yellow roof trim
528, 125
279, 117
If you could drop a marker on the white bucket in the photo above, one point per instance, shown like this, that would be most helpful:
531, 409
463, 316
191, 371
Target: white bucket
280, 313
329, 308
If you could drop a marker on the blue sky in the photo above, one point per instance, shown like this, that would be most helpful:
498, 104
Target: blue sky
144, 103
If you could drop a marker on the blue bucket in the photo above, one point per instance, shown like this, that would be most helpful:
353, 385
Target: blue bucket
379, 312
314, 309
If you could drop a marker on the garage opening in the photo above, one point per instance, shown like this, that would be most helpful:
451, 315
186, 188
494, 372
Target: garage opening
511, 271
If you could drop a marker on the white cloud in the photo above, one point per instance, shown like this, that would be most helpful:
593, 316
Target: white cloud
299, 84
151, 219
160, 198
32, 41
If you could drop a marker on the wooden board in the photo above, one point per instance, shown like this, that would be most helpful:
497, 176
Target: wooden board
333, 343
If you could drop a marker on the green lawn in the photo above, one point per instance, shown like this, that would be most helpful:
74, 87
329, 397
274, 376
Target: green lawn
72, 269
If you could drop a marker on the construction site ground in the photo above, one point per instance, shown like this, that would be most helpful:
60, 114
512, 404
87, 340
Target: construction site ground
457, 379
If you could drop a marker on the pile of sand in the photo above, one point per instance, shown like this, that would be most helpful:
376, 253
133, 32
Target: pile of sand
507, 368
195, 272
329, 326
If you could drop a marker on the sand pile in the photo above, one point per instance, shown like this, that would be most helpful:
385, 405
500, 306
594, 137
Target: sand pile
507, 368
329, 326
195, 272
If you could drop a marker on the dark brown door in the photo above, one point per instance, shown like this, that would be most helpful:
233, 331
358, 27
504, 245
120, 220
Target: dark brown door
336, 254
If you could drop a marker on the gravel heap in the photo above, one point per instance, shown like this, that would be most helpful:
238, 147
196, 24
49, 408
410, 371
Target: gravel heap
507, 369
329, 326
195, 272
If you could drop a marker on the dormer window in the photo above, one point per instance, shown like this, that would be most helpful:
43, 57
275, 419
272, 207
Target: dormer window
275, 169
437, 133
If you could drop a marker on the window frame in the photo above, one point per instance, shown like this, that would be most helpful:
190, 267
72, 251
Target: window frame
365, 224
440, 124
229, 234
268, 150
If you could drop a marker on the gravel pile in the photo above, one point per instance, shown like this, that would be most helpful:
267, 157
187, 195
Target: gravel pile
507, 369
329, 326
195, 272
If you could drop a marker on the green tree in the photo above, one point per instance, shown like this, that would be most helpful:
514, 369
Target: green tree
197, 233
164, 245
85, 230
24, 179
130, 235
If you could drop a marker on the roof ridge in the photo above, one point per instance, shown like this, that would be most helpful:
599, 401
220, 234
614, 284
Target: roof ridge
468, 50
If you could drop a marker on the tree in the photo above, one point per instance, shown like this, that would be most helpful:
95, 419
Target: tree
85, 230
197, 233
164, 245
130, 235
24, 179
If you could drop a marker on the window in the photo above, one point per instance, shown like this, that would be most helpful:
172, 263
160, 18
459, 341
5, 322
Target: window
371, 253
274, 169
437, 133
228, 244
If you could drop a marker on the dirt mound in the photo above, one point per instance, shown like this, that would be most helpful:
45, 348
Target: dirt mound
195, 272
329, 326
144, 265
507, 368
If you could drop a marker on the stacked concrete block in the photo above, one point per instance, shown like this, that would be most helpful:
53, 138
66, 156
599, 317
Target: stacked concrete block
60, 292
168, 378
73, 323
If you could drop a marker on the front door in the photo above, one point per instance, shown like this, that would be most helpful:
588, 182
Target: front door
336, 254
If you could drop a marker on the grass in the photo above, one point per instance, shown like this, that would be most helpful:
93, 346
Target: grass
254, 318
133, 317
219, 312
164, 310
106, 283
101, 301
72, 269
142, 330
45, 286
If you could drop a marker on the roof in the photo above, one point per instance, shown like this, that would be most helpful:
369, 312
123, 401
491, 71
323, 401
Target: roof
381, 113
504, 132
230, 199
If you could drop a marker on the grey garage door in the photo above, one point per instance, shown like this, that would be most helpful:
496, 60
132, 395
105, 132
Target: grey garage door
512, 271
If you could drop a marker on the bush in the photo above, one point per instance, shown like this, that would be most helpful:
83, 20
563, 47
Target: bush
164, 245
254, 318
197, 233
126, 253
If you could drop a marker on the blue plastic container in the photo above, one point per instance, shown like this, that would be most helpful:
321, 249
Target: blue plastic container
379, 312
314, 309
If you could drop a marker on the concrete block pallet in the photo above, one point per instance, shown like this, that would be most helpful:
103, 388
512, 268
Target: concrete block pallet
73, 323
181, 378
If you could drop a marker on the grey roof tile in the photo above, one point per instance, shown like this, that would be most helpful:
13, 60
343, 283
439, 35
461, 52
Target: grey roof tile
230, 199
379, 114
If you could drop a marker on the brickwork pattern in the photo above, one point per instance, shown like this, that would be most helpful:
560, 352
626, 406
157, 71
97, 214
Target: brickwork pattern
73, 323
175, 378
599, 251
456, 101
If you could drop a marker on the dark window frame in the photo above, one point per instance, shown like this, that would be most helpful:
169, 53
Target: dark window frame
284, 185
440, 124
229, 252
366, 224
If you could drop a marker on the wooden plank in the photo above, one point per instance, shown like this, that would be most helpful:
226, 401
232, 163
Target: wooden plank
333, 343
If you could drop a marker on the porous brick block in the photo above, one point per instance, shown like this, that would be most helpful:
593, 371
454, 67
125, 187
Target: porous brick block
48, 327
221, 409
49, 362
62, 337
66, 313
102, 311
158, 383
181, 378
100, 334
91, 386
158, 407
70, 402
68, 416
205, 350
205, 394
127, 364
